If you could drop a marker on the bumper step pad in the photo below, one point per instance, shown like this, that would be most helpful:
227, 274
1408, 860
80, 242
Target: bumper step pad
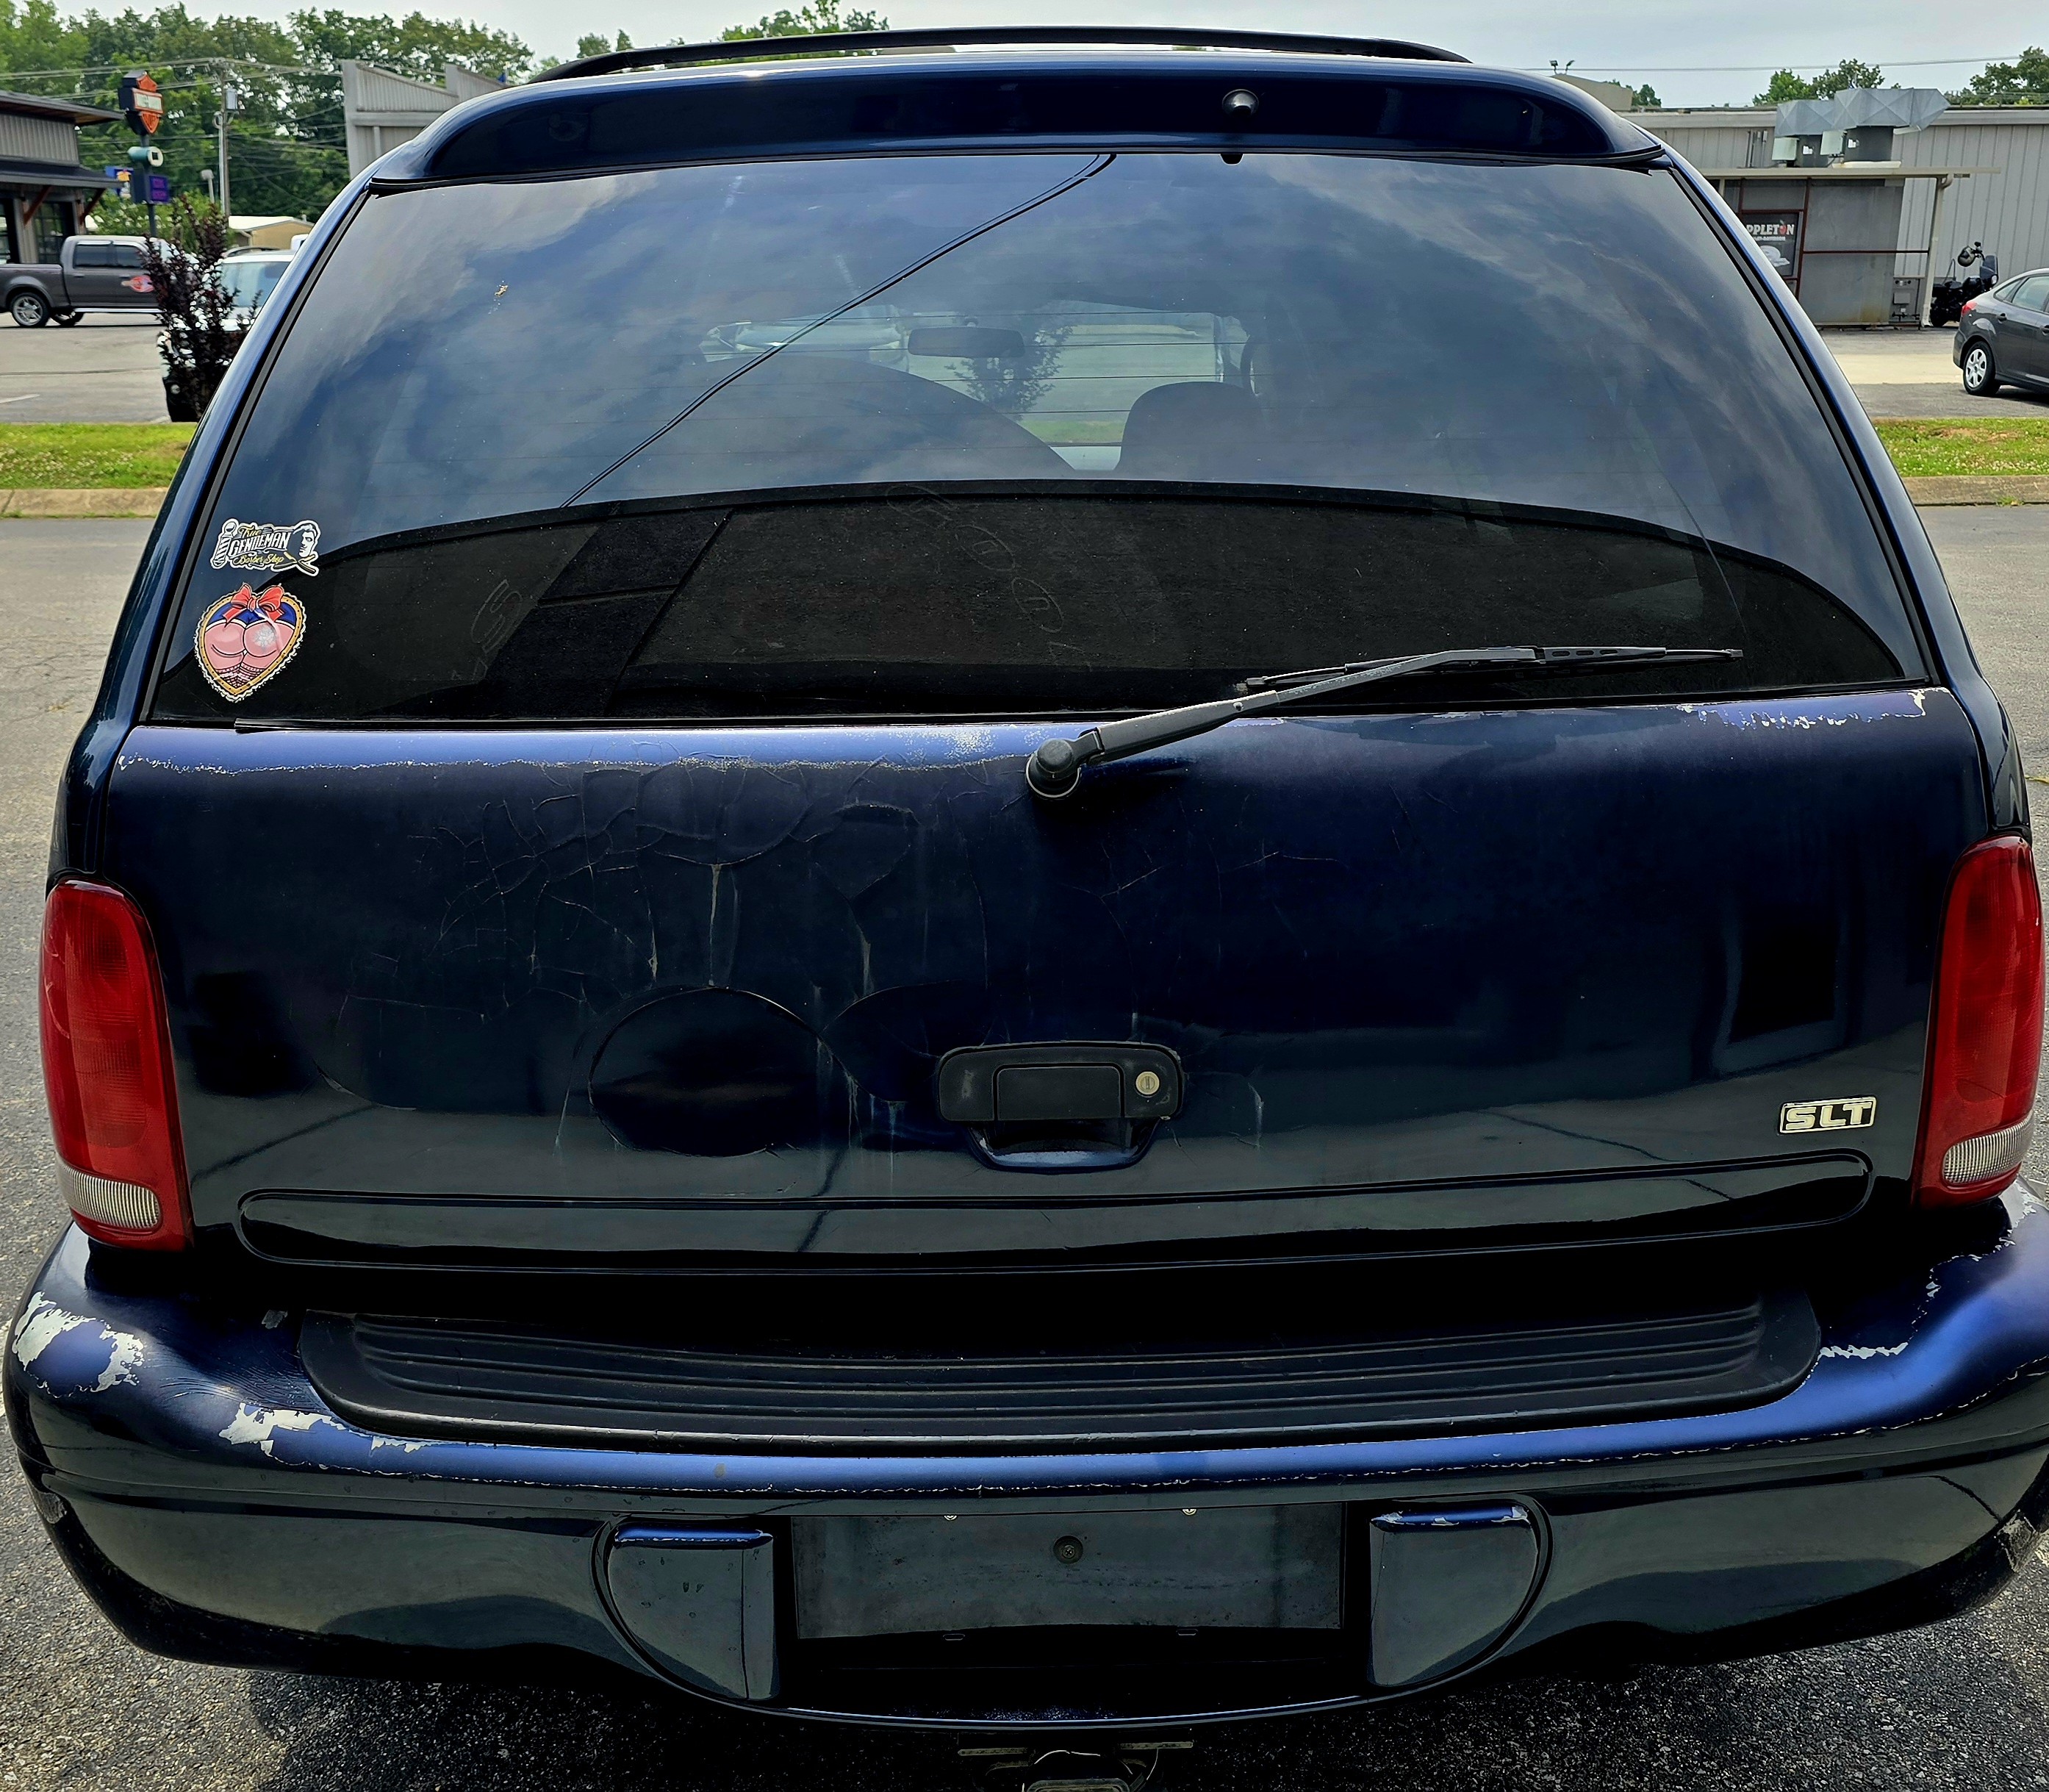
428, 1378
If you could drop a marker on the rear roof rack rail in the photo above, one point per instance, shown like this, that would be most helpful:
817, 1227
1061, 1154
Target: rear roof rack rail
840, 43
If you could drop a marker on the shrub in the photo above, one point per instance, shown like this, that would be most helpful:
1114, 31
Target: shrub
200, 335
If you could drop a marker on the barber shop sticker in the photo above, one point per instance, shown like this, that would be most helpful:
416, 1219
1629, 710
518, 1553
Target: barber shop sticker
268, 547
248, 637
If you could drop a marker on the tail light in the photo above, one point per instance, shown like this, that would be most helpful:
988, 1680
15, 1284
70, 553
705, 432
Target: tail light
1985, 1034
107, 1069
1970, 305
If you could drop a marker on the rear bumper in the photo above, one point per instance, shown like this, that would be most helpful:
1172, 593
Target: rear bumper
198, 1486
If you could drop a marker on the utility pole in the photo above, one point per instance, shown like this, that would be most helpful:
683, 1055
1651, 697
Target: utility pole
226, 106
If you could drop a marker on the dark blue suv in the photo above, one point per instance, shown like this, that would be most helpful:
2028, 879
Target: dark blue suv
1050, 884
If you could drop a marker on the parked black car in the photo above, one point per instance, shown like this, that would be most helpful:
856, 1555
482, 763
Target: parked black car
1037, 887
2003, 336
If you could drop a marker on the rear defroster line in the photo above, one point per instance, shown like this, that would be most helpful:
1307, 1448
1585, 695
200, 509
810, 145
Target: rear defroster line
875, 292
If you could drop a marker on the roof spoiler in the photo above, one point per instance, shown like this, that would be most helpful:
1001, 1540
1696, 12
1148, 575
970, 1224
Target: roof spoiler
842, 43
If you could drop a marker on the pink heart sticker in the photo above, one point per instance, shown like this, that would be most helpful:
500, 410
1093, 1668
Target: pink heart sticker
247, 637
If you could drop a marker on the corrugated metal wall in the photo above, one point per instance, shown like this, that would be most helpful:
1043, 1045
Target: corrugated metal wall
2007, 211
1709, 139
381, 111
26, 139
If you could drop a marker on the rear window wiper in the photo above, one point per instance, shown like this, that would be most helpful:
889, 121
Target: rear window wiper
1055, 767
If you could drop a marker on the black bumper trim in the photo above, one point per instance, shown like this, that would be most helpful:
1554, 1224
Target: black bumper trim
451, 1379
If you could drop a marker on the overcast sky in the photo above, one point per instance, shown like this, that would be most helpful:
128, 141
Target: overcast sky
1692, 51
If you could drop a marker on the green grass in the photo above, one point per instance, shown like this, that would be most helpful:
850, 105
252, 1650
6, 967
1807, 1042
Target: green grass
1076, 432
1921, 446
46, 456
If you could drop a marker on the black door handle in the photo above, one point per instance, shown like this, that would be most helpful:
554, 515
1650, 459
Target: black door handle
1078, 1080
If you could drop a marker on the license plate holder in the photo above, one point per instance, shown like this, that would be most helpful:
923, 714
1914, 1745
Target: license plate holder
1235, 1568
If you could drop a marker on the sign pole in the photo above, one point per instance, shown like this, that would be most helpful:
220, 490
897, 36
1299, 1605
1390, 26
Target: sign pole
142, 106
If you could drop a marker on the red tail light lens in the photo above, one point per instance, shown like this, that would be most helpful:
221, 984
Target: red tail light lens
1970, 305
1985, 1037
107, 1068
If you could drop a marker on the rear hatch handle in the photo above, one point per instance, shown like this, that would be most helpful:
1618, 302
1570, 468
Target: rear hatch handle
1077, 1104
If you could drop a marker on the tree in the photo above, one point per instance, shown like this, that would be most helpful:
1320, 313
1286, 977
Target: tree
1850, 72
286, 152
2024, 81
200, 335
1646, 96
415, 46
811, 18
32, 36
1013, 384
130, 217
594, 44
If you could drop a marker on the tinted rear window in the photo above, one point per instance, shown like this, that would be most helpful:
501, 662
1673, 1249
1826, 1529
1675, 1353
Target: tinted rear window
1019, 434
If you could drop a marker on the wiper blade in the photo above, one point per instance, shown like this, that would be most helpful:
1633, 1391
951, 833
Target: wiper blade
1055, 767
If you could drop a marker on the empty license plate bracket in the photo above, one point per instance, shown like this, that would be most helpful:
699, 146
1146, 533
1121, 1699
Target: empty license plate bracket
1256, 1567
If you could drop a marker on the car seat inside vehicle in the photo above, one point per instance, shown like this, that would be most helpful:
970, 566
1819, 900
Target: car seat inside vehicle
1191, 429
793, 419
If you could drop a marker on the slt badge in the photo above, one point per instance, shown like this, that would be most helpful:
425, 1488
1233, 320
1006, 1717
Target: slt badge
248, 636
1828, 1117
267, 547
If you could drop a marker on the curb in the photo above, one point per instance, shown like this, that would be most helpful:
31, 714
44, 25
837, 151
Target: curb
1979, 489
98, 500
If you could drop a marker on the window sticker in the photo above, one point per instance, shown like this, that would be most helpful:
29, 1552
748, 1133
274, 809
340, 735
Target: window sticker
268, 547
248, 637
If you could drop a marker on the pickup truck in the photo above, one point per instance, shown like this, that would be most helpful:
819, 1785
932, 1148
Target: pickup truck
90, 274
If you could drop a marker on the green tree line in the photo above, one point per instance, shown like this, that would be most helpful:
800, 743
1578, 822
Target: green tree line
2024, 81
288, 153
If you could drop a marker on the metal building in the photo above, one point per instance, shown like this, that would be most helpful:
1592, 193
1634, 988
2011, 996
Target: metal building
2003, 202
44, 193
381, 110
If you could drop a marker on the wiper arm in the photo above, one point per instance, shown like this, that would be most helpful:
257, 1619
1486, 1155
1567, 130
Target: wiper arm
1055, 767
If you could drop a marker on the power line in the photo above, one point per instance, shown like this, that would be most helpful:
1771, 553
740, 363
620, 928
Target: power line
1765, 67
182, 141
168, 62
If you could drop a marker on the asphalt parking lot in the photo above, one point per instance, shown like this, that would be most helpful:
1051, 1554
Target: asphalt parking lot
102, 370
1965, 1704
1909, 373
